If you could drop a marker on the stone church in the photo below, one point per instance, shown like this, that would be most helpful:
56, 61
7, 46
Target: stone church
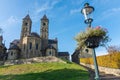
31, 44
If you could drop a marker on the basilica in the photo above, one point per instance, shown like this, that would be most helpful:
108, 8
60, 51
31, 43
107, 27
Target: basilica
32, 44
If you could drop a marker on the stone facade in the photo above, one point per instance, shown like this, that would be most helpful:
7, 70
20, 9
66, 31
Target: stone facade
32, 44
33, 60
81, 53
75, 56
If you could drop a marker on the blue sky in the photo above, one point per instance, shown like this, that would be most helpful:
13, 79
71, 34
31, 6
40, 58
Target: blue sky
65, 19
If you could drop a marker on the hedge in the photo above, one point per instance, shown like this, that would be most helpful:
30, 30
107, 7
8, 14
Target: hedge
110, 60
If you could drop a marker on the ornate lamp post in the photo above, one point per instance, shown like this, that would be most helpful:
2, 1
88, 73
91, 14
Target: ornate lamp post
86, 11
91, 42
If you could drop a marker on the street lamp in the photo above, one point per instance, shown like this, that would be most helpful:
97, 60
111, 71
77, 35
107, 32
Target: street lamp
91, 42
86, 11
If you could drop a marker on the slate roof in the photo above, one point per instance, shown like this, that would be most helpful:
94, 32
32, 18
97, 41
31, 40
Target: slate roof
34, 34
63, 53
50, 41
50, 47
44, 17
16, 41
27, 17
14, 47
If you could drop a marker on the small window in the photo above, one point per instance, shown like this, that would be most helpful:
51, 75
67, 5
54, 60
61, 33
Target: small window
50, 53
87, 50
44, 24
36, 46
24, 47
26, 24
11, 53
30, 47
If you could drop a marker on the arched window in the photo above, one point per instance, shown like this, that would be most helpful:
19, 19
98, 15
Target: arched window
25, 23
36, 46
11, 53
24, 47
50, 53
30, 47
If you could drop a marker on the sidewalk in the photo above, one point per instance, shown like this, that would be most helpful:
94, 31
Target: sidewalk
103, 76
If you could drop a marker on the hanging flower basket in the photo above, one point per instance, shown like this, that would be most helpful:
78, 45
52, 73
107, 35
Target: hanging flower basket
93, 42
92, 37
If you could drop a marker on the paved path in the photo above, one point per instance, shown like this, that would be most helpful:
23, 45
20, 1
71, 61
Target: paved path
103, 76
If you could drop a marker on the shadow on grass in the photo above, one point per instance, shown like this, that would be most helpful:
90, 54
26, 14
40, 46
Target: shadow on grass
5, 66
62, 74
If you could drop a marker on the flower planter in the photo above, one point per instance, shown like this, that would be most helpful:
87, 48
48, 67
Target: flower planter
92, 37
93, 42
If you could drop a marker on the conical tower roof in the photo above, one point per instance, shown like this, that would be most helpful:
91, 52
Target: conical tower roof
44, 17
27, 17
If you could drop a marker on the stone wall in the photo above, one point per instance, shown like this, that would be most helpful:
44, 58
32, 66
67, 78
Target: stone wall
104, 69
1, 62
33, 60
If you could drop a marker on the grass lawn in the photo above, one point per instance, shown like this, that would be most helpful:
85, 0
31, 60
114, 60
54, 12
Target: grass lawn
44, 71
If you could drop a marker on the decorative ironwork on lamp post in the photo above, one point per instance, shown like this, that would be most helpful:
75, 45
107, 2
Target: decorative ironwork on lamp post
91, 42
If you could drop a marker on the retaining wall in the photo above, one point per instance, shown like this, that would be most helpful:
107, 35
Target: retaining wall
104, 69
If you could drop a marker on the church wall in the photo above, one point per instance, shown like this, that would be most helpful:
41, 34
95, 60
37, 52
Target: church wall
24, 48
33, 47
50, 52
56, 47
13, 54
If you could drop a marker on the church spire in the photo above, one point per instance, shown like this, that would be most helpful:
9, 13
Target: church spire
44, 17
27, 17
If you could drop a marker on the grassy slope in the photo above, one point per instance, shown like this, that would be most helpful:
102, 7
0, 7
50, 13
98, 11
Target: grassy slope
43, 71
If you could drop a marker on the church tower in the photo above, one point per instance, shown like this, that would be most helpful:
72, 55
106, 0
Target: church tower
26, 27
44, 27
44, 33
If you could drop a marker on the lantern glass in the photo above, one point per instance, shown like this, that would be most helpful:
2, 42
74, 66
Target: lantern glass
87, 10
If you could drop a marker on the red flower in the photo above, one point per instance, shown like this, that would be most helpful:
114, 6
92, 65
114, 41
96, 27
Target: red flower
98, 27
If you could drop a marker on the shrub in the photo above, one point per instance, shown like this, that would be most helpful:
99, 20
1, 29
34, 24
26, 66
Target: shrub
111, 60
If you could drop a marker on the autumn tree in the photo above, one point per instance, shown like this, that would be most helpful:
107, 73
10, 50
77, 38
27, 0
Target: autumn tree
113, 49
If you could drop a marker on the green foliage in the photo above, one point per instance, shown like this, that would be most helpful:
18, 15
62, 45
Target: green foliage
90, 32
111, 60
44, 71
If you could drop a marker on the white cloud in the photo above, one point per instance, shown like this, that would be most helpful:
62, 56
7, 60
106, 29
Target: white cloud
103, 2
108, 13
8, 23
47, 5
77, 2
64, 30
116, 9
12, 20
55, 2
60, 32
42, 8
111, 11
75, 11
